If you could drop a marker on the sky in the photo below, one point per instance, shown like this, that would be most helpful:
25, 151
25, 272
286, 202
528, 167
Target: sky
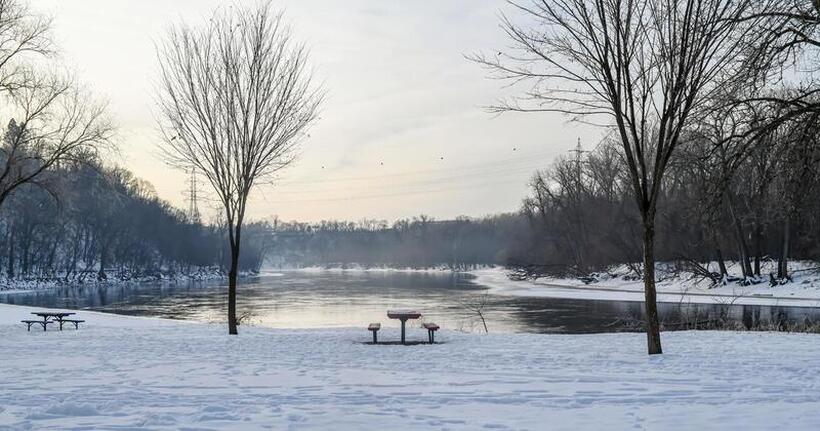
403, 131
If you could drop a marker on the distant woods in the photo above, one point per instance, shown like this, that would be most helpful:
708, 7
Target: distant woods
418, 242
719, 204
108, 225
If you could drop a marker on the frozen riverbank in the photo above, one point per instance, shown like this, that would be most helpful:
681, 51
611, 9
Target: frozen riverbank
804, 291
127, 373
19, 284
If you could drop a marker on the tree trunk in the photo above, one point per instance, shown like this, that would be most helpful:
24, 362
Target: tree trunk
232, 276
783, 261
721, 262
232, 273
25, 259
653, 331
103, 261
758, 247
745, 264
10, 268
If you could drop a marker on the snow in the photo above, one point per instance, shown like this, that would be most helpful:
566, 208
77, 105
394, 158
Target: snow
120, 372
20, 285
803, 291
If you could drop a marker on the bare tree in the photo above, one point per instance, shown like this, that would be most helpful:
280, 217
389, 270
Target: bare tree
646, 67
474, 306
235, 97
24, 35
52, 120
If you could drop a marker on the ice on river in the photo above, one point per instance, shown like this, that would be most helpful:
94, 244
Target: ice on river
119, 372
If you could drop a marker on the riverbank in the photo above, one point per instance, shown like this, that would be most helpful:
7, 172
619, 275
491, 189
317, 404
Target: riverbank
44, 283
619, 285
128, 373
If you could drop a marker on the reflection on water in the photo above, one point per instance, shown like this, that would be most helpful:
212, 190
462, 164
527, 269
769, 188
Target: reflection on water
303, 300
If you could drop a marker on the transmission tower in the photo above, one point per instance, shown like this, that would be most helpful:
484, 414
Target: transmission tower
193, 208
579, 151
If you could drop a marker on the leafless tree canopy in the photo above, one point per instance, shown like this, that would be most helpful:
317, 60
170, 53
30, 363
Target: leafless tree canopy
51, 119
22, 34
55, 122
235, 96
644, 68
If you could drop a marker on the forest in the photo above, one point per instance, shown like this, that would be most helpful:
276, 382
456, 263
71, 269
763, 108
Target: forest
109, 225
417, 242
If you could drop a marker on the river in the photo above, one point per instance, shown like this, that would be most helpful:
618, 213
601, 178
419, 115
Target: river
295, 299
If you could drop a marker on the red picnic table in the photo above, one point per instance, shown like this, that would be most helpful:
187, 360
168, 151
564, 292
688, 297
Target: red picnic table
403, 315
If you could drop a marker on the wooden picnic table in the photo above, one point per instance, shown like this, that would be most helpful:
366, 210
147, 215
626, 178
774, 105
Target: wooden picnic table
403, 315
58, 316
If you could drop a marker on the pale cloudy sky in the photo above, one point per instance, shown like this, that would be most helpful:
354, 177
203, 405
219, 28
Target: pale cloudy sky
402, 133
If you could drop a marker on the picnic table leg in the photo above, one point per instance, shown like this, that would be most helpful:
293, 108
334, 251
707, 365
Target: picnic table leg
374, 337
45, 323
402, 330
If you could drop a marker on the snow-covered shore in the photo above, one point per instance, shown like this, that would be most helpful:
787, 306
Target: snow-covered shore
804, 291
18, 285
121, 372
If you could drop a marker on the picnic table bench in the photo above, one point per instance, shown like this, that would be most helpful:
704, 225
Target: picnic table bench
374, 328
39, 322
59, 317
74, 321
431, 331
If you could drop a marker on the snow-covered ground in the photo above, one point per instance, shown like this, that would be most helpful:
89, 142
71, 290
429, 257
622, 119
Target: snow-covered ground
803, 291
121, 372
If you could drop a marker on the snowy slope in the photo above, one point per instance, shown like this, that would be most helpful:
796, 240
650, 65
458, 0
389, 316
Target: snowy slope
133, 373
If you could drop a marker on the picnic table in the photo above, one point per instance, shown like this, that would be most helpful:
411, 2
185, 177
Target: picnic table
59, 317
403, 315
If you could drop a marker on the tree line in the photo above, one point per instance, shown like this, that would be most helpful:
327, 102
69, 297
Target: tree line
418, 242
109, 225
720, 202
